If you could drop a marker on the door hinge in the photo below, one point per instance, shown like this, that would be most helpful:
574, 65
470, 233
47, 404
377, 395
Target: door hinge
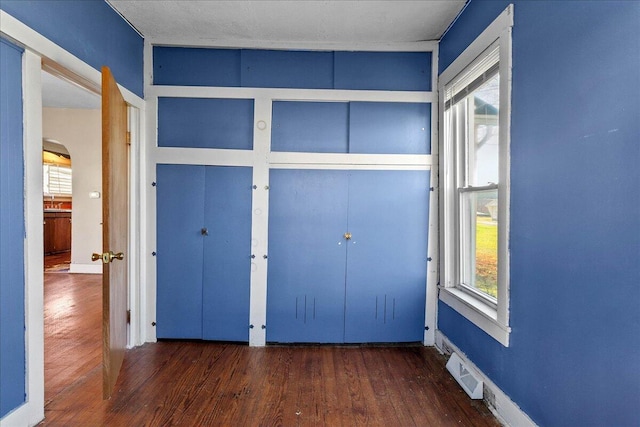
128, 317
128, 138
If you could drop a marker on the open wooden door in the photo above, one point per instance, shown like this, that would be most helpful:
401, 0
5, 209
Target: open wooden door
115, 220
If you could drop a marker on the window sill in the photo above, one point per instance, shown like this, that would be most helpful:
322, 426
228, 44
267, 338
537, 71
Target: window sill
477, 312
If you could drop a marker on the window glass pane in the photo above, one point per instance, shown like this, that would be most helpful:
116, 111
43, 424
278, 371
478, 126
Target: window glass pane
479, 241
482, 148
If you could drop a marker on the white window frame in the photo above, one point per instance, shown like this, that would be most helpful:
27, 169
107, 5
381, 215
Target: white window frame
491, 317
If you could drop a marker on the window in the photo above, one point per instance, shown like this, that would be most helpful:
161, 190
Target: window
56, 180
475, 117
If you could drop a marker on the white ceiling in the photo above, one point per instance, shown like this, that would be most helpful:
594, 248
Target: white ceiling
303, 22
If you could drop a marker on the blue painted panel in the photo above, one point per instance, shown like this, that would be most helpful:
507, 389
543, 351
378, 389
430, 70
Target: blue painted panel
306, 276
287, 69
383, 70
227, 253
12, 316
574, 200
196, 67
387, 256
390, 128
317, 127
90, 30
205, 123
180, 218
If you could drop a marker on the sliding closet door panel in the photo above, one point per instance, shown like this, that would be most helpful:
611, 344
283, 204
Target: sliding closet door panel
180, 208
387, 256
306, 276
227, 253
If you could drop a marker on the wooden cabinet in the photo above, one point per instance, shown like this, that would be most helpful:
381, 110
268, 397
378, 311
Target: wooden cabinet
57, 232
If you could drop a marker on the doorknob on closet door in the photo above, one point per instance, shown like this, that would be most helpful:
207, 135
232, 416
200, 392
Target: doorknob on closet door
204, 231
347, 236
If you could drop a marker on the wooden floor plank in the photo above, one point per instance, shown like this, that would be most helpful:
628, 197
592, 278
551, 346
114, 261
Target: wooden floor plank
223, 384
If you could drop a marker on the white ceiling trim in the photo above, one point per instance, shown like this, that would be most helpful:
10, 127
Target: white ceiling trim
424, 46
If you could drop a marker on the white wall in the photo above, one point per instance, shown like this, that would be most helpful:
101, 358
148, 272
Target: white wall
80, 132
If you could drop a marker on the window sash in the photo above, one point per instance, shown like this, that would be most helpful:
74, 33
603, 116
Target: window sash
467, 247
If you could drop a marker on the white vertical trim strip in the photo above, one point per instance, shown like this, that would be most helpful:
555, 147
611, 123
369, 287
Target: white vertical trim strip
34, 258
135, 258
260, 221
504, 189
150, 215
148, 207
431, 305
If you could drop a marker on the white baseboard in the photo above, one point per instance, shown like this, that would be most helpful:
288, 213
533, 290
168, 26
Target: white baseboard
507, 412
85, 268
19, 417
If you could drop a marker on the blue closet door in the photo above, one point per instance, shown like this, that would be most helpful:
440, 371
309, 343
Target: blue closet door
227, 253
306, 276
387, 256
180, 218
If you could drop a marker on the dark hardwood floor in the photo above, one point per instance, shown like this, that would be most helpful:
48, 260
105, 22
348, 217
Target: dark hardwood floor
220, 384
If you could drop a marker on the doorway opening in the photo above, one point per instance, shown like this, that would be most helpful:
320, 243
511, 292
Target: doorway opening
72, 227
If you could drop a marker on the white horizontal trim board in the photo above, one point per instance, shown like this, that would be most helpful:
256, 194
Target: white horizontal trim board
320, 166
283, 94
202, 156
506, 410
421, 46
422, 161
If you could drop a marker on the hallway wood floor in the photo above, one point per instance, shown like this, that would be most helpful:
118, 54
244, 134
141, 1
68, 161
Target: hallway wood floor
219, 384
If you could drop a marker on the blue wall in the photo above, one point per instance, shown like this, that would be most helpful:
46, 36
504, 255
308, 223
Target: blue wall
574, 357
90, 30
12, 349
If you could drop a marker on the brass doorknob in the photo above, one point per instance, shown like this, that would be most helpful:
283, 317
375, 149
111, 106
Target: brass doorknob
107, 257
113, 256
347, 236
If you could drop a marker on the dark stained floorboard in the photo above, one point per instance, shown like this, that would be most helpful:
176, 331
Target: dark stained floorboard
186, 383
